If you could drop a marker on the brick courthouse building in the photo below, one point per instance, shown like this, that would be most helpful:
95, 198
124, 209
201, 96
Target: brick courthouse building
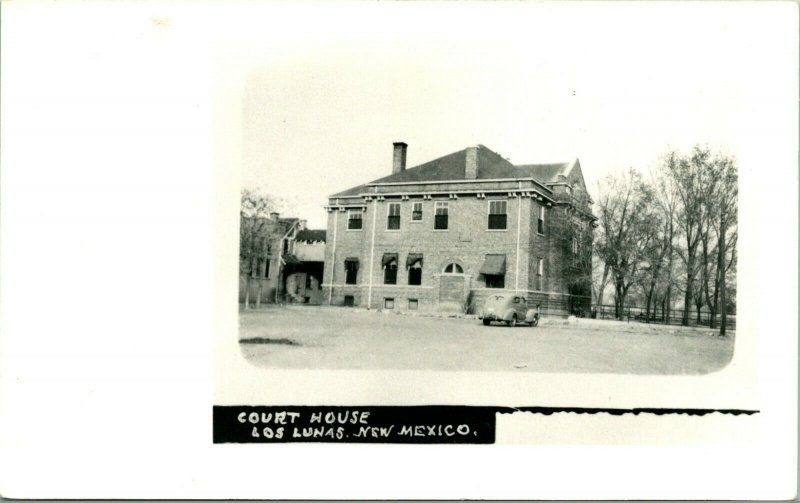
446, 234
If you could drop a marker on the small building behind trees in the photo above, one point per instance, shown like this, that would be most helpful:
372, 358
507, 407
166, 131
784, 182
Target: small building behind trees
279, 261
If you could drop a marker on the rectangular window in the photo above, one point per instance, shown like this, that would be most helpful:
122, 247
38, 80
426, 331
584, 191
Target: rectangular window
349, 301
354, 219
390, 273
441, 215
495, 280
351, 272
415, 274
416, 212
413, 304
540, 222
394, 217
388, 303
540, 274
574, 251
266, 268
308, 281
497, 214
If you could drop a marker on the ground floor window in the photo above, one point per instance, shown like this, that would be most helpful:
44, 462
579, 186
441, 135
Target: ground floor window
495, 280
388, 303
413, 304
350, 272
389, 268
349, 301
415, 273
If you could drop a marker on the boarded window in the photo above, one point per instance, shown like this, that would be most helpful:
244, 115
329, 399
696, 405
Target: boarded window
497, 214
413, 304
388, 303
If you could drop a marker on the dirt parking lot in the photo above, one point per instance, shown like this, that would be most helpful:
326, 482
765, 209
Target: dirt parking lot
342, 338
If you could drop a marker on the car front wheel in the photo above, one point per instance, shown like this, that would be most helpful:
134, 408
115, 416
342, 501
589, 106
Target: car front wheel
486, 321
513, 322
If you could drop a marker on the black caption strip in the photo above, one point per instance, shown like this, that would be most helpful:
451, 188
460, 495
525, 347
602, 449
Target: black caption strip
426, 424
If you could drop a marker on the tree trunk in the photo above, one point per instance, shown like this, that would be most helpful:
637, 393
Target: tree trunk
260, 291
247, 292
619, 298
687, 298
722, 288
602, 285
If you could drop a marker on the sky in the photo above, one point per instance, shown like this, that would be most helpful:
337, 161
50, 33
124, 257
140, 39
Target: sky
326, 91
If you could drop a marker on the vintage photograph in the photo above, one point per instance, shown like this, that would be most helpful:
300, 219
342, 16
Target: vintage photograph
502, 205
466, 250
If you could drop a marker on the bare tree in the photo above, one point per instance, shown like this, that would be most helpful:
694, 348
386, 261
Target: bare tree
254, 245
625, 230
666, 198
728, 203
694, 182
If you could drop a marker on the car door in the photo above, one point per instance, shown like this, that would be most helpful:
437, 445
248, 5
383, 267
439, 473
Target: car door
519, 307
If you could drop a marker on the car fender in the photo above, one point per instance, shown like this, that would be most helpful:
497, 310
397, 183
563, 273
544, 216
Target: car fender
530, 314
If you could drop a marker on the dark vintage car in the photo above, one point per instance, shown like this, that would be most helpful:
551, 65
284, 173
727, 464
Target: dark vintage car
508, 308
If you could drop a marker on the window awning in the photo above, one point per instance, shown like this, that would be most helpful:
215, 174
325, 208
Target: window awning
290, 259
413, 258
351, 259
388, 258
494, 264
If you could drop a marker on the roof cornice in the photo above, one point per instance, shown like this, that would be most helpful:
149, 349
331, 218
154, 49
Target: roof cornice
477, 180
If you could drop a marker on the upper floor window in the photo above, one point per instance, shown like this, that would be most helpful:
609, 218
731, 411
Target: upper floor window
540, 222
497, 214
354, 219
441, 215
394, 217
416, 212
453, 269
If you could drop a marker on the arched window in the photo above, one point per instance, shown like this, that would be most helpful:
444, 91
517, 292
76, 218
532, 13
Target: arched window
453, 268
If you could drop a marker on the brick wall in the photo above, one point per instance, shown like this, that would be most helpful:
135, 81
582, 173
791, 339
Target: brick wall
466, 242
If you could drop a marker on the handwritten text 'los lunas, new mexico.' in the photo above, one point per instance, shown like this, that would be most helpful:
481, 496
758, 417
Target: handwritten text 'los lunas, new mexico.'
338, 426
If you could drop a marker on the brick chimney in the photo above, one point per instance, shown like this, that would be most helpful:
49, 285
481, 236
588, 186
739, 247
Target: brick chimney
471, 163
399, 157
